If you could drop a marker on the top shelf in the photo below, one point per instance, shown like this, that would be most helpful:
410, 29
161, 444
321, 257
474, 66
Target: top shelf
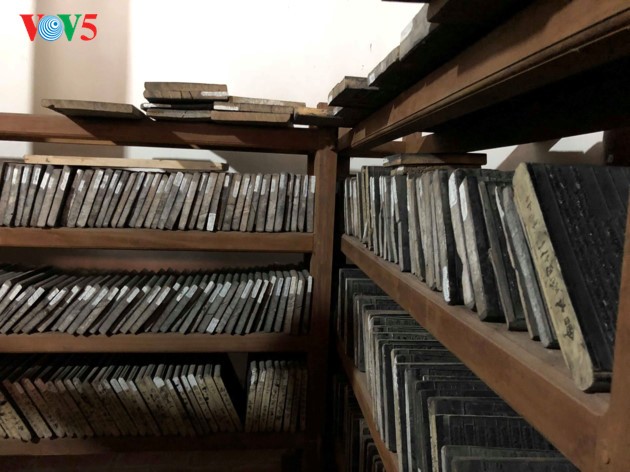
547, 43
61, 129
532, 379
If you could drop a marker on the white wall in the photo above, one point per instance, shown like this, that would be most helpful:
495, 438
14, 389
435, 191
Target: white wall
285, 49
16, 59
281, 49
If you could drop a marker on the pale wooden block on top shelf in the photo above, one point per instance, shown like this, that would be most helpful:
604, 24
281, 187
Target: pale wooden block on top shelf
92, 109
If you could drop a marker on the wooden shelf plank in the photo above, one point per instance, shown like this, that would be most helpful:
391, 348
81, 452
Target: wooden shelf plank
118, 163
465, 12
154, 343
65, 446
140, 239
532, 379
358, 382
61, 129
543, 44
550, 112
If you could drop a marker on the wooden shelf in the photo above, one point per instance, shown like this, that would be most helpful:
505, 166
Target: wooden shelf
154, 343
61, 129
65, 446
358, 382
340, 456
532, 379
545, 43
155, 239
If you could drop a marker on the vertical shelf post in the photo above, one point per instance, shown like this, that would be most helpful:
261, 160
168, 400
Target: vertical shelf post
324, 164
613, 443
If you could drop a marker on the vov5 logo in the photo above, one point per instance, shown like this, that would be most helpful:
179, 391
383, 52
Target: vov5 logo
52, 27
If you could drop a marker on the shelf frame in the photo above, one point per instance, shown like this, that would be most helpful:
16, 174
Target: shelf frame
109, 445
145, 132
317, 144
546, 42
153, 343
532, 379
323, 164
155, 239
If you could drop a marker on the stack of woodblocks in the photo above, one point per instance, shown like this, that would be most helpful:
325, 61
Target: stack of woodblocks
276, 396
91, 396
48, 195
428, 407
85, 303
87, 396
353, 437
539, 249
211, 102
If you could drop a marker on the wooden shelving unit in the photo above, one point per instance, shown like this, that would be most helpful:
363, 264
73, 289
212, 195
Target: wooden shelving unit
552, 70
317, 145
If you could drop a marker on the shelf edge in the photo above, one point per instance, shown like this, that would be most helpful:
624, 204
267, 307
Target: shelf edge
154, 239
153, 343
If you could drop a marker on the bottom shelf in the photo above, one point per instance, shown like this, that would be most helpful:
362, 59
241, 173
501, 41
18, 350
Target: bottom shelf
358, 382
71, 446
531, 379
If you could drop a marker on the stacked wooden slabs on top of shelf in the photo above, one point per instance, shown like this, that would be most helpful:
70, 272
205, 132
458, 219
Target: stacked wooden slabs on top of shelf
92, 109
437, 33
211, 103
180, 101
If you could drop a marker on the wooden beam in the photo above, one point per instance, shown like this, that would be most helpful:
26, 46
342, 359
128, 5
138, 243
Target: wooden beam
156, 343
109, 445
61, 129
383, 150
325, 170
544, 43
472, 11
116, 162
588, 102
423, 159
155, 239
